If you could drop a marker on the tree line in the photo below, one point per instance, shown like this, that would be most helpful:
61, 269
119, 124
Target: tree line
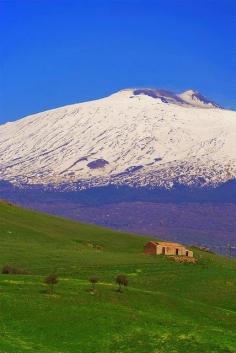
121, 280
52, 280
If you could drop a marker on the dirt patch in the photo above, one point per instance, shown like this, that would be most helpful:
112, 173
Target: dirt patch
183, 259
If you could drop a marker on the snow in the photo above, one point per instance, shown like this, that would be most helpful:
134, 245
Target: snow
143, 140
196, 99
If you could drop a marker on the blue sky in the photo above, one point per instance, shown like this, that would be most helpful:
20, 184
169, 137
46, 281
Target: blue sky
56, 52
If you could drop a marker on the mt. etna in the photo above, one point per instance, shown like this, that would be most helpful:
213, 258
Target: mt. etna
161, 154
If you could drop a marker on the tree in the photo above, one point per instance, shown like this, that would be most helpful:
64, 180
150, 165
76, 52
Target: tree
51, 280
93, 280
121, 280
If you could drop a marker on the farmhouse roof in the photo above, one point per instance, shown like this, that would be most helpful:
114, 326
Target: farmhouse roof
166, 243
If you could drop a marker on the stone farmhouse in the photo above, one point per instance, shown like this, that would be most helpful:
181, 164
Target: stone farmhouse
166, 248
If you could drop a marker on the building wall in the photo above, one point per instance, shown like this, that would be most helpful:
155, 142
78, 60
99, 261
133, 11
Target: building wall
169, 250
150, 248
159, 250
190, 253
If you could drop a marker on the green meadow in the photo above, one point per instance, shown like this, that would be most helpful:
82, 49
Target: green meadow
167, 307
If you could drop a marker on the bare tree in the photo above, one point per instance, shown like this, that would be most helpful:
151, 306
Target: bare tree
121, 280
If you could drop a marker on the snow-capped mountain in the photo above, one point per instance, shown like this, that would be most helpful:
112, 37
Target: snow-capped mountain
135, 137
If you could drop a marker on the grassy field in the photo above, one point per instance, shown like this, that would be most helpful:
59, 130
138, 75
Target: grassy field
167, 307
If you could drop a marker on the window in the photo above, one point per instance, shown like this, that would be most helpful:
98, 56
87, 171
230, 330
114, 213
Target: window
176, 251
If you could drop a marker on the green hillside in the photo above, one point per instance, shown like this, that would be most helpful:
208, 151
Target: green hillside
167, 307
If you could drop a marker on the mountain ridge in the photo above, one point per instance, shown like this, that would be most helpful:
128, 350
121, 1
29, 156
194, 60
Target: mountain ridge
127, 138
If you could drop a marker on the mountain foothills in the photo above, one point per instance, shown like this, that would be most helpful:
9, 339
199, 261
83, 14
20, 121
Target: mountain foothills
167, 306
143, 160
140, 138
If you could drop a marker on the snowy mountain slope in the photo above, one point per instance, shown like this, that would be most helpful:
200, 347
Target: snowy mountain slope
133, 137
188, 98
197, 99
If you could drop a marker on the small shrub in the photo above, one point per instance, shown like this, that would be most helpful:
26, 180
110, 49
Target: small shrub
121, 280
51, 281
19, 271
8, 269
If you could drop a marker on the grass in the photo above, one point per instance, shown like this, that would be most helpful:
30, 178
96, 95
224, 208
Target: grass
167, 308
